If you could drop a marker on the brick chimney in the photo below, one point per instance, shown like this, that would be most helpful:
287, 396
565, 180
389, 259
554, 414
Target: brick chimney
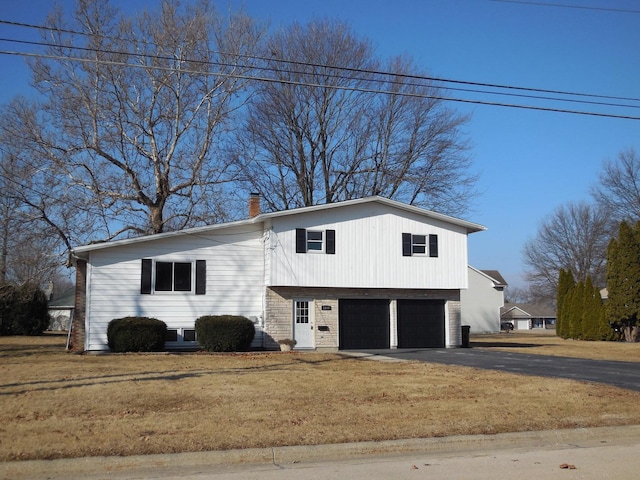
254, 205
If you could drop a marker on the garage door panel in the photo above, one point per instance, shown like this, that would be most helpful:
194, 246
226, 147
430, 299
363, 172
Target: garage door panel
421, 324
363, 324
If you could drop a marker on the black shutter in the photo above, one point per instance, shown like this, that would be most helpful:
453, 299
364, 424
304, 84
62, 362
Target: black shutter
301, 240
433, 245
201, 277
145, 277
406, 244
331, 242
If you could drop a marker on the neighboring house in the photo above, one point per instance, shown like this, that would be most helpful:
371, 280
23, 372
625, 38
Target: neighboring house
482, 300
527, 316
61, 311
366, 273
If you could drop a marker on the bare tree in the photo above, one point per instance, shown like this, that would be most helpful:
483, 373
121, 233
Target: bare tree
575, 238
321, 131
519, 295
9, 220
30, 249
134, 111
618, 189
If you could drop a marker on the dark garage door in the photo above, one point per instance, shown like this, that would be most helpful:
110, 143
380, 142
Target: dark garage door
363, 324
420, 323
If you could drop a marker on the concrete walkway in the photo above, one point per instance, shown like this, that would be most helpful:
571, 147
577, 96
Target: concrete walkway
594, 453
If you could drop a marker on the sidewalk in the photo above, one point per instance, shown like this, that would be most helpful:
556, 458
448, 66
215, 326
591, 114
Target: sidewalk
596, 453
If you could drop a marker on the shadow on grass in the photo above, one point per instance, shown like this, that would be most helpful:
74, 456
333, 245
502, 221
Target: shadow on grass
295, 360
26, 346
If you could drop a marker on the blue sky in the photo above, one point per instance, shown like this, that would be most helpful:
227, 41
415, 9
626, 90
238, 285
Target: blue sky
529, 162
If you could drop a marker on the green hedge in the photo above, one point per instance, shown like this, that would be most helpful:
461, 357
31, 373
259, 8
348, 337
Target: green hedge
136, 334
23, 310
225, 333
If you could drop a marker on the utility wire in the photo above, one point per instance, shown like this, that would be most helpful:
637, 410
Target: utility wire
346, 69
334, 87
341, 77
561, 5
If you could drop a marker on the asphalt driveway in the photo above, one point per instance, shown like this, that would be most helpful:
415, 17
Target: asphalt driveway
620, 374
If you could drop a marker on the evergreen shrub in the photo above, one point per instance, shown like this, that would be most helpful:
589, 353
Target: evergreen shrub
136, 334
225, 333
23, 310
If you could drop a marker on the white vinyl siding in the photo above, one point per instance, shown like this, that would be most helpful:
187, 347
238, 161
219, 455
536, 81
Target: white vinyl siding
481, 303
234, 280
368, 251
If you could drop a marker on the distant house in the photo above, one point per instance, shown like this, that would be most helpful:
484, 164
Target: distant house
527, 316
482, 300
365, 273
61, 310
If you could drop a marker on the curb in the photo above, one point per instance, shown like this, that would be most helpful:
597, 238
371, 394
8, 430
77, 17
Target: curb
445, 446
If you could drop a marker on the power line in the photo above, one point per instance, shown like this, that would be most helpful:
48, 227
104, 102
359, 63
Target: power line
335, 87
561, 5
375, 80
346, 69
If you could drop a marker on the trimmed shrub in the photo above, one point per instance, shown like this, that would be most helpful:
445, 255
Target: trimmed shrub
136, 334
225, 333
23, 310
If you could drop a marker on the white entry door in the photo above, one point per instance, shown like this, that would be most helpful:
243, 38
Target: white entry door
303, 323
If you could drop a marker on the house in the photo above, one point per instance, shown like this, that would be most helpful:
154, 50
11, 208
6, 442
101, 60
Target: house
527, 316
61, 310
365, 273
482, 300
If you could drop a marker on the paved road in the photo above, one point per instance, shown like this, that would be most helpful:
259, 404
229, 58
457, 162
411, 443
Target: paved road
596, 453
620, 374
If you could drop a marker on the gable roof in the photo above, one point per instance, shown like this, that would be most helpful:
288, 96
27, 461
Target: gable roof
527, 310
469, 226
496, 277
66, 300
492, 275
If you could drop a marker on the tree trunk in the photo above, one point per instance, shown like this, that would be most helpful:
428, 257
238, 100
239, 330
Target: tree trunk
631, 333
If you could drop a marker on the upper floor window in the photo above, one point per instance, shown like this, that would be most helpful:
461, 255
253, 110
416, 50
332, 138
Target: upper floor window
315, 241
173, 276
419, 245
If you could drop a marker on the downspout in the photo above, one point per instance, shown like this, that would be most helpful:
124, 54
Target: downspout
71, 315
266, 247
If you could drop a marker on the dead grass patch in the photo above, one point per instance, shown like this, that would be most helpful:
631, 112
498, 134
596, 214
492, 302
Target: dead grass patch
63, 405
547, 343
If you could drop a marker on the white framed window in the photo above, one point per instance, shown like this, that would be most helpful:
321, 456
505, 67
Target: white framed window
162, 276
419, 245
318, 241
173, 277
315, 241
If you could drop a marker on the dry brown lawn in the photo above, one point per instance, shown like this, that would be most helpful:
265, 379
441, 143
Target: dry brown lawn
547, 343
56, 404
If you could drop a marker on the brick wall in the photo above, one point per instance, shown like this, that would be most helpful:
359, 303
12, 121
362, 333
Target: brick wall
455, 322
79, 312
